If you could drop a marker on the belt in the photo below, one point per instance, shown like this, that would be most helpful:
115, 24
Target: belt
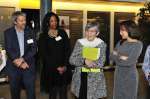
95, 70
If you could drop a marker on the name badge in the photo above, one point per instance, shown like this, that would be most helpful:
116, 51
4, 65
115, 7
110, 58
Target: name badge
30, 41
58, 38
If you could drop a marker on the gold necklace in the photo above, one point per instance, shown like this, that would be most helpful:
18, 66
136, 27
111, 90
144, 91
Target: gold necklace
52, 34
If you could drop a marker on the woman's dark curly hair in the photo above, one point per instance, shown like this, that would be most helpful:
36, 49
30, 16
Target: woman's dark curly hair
132, 28
45, 23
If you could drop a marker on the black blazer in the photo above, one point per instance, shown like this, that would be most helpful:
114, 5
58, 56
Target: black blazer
13, 50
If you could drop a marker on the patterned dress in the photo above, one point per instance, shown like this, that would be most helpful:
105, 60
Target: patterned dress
146, 63
126, 75
96, 86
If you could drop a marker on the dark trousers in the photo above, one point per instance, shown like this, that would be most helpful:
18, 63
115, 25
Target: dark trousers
18, 80
58, 92
83, 88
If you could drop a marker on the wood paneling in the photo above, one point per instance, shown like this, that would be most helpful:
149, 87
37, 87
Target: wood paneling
76, 24
5, 20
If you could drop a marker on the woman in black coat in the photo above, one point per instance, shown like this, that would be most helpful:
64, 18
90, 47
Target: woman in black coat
54, 48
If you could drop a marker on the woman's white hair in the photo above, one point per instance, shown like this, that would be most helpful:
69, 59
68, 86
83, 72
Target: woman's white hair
91, 25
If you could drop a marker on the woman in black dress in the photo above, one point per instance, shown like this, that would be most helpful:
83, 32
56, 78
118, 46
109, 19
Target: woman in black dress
54, 48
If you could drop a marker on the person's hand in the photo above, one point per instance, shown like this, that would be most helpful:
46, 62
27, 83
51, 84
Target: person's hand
147, 75
61, 70
24, 66
89, 63
18, 61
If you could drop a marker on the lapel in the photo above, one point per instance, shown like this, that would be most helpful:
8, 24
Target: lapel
15, 39
25, 39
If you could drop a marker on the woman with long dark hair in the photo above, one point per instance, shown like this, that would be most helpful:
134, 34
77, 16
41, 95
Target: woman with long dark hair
54, 48
125, 56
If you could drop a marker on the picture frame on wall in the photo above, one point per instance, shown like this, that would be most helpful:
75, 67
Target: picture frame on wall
64, 23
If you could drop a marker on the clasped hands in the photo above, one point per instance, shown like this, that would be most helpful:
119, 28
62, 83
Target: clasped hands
89, 63
21, 63
61, 69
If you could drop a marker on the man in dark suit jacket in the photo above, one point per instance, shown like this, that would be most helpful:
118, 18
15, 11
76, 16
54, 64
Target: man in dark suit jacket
20, 45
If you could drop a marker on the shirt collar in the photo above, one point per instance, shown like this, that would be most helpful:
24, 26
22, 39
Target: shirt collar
18, 31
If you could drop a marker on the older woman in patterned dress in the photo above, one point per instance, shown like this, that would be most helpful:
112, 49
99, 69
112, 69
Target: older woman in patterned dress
88, 85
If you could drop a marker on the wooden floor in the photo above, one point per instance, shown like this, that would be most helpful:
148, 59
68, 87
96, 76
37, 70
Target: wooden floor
4, 88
